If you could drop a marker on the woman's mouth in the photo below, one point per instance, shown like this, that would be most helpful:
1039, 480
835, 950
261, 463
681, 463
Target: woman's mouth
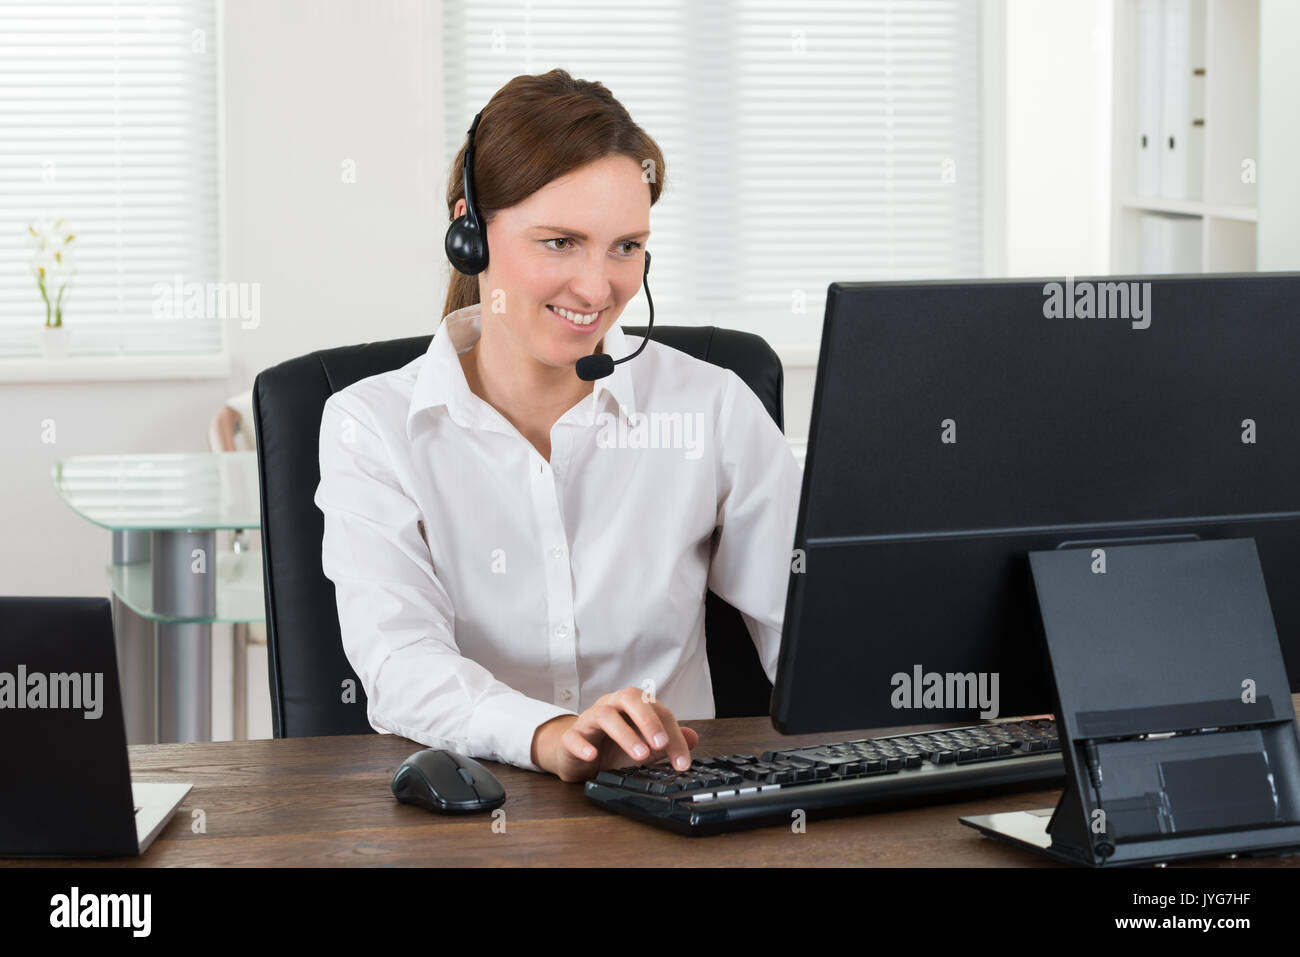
577, 321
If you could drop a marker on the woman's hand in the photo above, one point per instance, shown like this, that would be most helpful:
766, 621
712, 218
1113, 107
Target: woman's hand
620, 729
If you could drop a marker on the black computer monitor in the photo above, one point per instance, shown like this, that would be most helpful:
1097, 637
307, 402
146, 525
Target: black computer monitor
959, 425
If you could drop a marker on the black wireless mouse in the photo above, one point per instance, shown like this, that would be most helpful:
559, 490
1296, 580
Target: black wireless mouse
447, 782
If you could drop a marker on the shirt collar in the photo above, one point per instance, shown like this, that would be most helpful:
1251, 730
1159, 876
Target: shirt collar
441, 380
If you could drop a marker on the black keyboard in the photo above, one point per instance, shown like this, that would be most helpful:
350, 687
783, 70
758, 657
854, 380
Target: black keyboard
738, 791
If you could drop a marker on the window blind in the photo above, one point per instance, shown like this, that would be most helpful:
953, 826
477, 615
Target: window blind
804, 143
108, 120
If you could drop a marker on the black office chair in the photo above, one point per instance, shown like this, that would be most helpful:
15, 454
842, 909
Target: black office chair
305, 658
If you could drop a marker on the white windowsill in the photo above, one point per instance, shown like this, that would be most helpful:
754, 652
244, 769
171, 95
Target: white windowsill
217, 366
115, 368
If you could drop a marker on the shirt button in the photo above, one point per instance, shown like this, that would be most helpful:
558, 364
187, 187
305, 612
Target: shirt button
561, 631
557, 551
566, 694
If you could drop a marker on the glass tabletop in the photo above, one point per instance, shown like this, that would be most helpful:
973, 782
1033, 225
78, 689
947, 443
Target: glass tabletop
239, 589
178, 490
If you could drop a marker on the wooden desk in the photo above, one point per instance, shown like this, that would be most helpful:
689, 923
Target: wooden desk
326, 801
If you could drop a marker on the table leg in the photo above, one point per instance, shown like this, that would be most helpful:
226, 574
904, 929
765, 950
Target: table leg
185, 584
136, 648
239, 671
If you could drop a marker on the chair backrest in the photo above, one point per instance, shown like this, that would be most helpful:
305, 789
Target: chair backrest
305, 658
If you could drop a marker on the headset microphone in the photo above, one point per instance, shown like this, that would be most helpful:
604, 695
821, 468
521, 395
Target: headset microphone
467, 250
597, 366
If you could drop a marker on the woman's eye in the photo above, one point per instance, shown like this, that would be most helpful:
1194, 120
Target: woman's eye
632, 243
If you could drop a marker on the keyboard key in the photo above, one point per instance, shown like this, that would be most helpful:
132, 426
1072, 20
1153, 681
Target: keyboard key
796, 758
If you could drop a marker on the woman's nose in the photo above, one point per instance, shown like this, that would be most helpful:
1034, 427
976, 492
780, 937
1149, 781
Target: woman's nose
591, 283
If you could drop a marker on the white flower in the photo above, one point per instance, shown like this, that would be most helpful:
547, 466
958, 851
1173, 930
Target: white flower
51, 265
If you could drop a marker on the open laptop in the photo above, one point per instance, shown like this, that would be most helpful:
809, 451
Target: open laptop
67, 789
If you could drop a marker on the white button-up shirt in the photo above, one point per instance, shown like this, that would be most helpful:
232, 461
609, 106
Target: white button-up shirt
483, 590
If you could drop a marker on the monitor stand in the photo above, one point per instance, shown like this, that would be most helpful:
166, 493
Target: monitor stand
1173, 708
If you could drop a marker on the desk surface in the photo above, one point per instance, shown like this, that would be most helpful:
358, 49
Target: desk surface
322, 802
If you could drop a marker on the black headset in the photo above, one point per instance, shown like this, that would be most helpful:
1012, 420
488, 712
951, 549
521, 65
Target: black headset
466, 246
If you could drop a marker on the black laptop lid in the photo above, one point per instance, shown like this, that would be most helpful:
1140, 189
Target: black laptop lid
66, 786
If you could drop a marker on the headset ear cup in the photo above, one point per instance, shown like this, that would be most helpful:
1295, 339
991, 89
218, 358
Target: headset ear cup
465, 247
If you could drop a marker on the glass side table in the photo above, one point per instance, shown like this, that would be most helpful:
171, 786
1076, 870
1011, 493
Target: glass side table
168, 582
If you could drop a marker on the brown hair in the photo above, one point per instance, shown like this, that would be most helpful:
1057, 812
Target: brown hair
536, 129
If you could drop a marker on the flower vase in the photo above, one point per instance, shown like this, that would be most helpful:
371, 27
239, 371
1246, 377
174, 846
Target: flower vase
54, 341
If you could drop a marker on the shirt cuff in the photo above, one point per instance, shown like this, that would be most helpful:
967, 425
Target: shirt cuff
505, 725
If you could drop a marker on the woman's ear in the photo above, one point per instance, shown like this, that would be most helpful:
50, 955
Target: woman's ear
460, 209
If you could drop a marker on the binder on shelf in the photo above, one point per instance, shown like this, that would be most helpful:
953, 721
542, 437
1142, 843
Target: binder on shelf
1150, 52
1182, 99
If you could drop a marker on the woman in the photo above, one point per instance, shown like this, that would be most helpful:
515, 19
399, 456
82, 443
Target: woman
520, 557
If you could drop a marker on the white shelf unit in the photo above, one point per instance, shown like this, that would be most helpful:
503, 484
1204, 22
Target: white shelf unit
1222, 206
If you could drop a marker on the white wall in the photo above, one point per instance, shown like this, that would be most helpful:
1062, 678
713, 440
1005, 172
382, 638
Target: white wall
307, 86
1058, 83
1279, 136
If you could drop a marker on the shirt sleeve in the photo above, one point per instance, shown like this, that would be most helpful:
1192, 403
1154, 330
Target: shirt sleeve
395, 616
759, 484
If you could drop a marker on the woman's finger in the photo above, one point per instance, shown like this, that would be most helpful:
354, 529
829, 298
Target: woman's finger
578, 744
611, 720
647, 719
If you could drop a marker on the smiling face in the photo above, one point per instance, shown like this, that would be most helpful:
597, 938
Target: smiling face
574, 245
